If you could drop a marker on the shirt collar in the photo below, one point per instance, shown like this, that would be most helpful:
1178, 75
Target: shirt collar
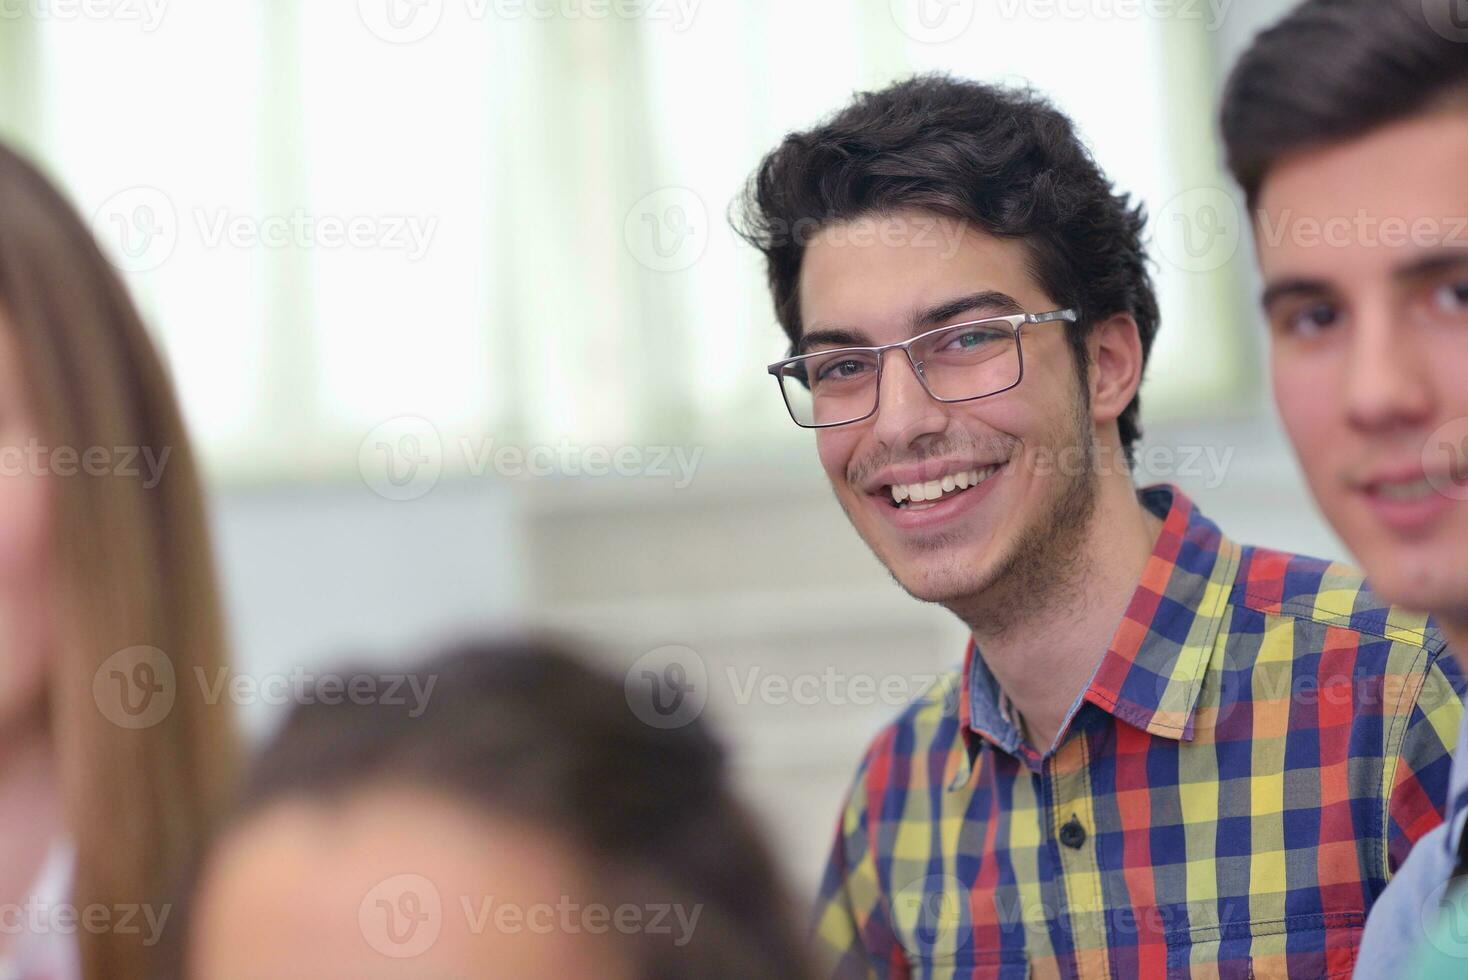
1152, 672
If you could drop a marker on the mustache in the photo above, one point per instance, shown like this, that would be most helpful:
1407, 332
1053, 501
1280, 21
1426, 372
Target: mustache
987, 447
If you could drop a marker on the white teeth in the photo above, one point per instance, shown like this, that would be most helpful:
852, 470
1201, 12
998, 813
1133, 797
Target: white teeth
918, 493
1406, 491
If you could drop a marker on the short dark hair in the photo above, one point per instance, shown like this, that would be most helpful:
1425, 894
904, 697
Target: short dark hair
1334, 70
523, 728
1002, 159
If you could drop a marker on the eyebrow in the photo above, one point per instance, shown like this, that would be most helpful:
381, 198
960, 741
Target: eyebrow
1442, 260
1290, 288
988, 302
1421, 267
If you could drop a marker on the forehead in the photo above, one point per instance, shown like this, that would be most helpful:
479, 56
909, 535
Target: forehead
302, 873
877, 270
1357, 208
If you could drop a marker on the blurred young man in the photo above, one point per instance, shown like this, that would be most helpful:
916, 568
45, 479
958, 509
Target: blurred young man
1347, 126
1164, 750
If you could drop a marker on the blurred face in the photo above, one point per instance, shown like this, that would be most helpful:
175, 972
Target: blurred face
952, 497
1364, 249
392, 884
24, 533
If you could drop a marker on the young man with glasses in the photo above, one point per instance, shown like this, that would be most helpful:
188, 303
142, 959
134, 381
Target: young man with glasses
1347, 127
1164, 750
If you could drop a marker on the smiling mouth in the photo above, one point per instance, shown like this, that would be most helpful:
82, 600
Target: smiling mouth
923, 495
1408, 492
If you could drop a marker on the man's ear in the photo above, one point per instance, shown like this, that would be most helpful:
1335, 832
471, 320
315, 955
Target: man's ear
1115, 345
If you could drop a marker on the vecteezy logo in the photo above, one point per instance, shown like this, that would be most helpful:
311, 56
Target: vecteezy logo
1445, 458
1448, 17
401, 916
402, 458
667, 687
933, 21
139, 227
932, 911
401, 21
135, 688
668, 230
1199, 230
1442, 920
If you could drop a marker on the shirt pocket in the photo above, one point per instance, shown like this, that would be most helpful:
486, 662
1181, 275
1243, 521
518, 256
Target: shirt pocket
1315, 945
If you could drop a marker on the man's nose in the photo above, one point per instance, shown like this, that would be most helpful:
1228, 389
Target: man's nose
1386, 384
906, 413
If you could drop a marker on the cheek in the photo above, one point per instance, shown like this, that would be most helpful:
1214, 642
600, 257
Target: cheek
835, 448
24, 525
1046, 402
1452, 393
1302, 393
1027, 419
24, 587
25, 493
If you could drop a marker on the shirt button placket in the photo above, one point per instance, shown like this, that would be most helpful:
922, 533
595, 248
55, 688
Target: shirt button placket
1074, 847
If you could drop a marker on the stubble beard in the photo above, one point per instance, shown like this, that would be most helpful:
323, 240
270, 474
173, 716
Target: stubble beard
1044, 565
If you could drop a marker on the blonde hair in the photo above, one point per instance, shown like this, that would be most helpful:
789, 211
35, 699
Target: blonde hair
132, 567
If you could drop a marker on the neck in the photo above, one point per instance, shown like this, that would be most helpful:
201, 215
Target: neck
30, 806
1044, 658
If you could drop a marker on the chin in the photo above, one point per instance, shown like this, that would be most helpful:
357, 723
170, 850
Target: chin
939, 591
944, 578
1425, 573
1421, 582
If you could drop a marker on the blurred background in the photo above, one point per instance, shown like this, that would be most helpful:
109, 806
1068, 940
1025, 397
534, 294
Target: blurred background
460, 327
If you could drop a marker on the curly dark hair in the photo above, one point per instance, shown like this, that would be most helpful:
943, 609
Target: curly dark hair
1001, 159
1334, 70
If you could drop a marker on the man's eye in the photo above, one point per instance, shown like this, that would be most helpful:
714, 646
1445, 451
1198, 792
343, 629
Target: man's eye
1312, 320
840, 370
1452, 297
971, 340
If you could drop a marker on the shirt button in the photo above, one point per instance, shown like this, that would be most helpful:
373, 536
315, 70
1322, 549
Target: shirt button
1073, 835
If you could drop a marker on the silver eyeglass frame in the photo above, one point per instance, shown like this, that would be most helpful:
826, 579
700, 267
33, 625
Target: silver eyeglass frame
1016, 322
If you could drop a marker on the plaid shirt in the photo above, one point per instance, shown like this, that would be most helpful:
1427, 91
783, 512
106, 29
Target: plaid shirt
1260, 746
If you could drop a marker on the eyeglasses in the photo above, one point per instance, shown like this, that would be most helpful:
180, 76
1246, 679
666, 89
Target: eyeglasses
958, 363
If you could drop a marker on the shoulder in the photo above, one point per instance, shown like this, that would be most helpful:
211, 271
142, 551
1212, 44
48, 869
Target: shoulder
1328, 595
1336, 623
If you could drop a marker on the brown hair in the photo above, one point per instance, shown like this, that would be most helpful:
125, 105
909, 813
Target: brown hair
522, 729
132, 567
1335, 70
1002, 160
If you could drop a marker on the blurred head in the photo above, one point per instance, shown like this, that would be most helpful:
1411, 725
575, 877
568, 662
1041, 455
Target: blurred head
103, 550
399, 880
524, 824
937, 202
1347, 126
